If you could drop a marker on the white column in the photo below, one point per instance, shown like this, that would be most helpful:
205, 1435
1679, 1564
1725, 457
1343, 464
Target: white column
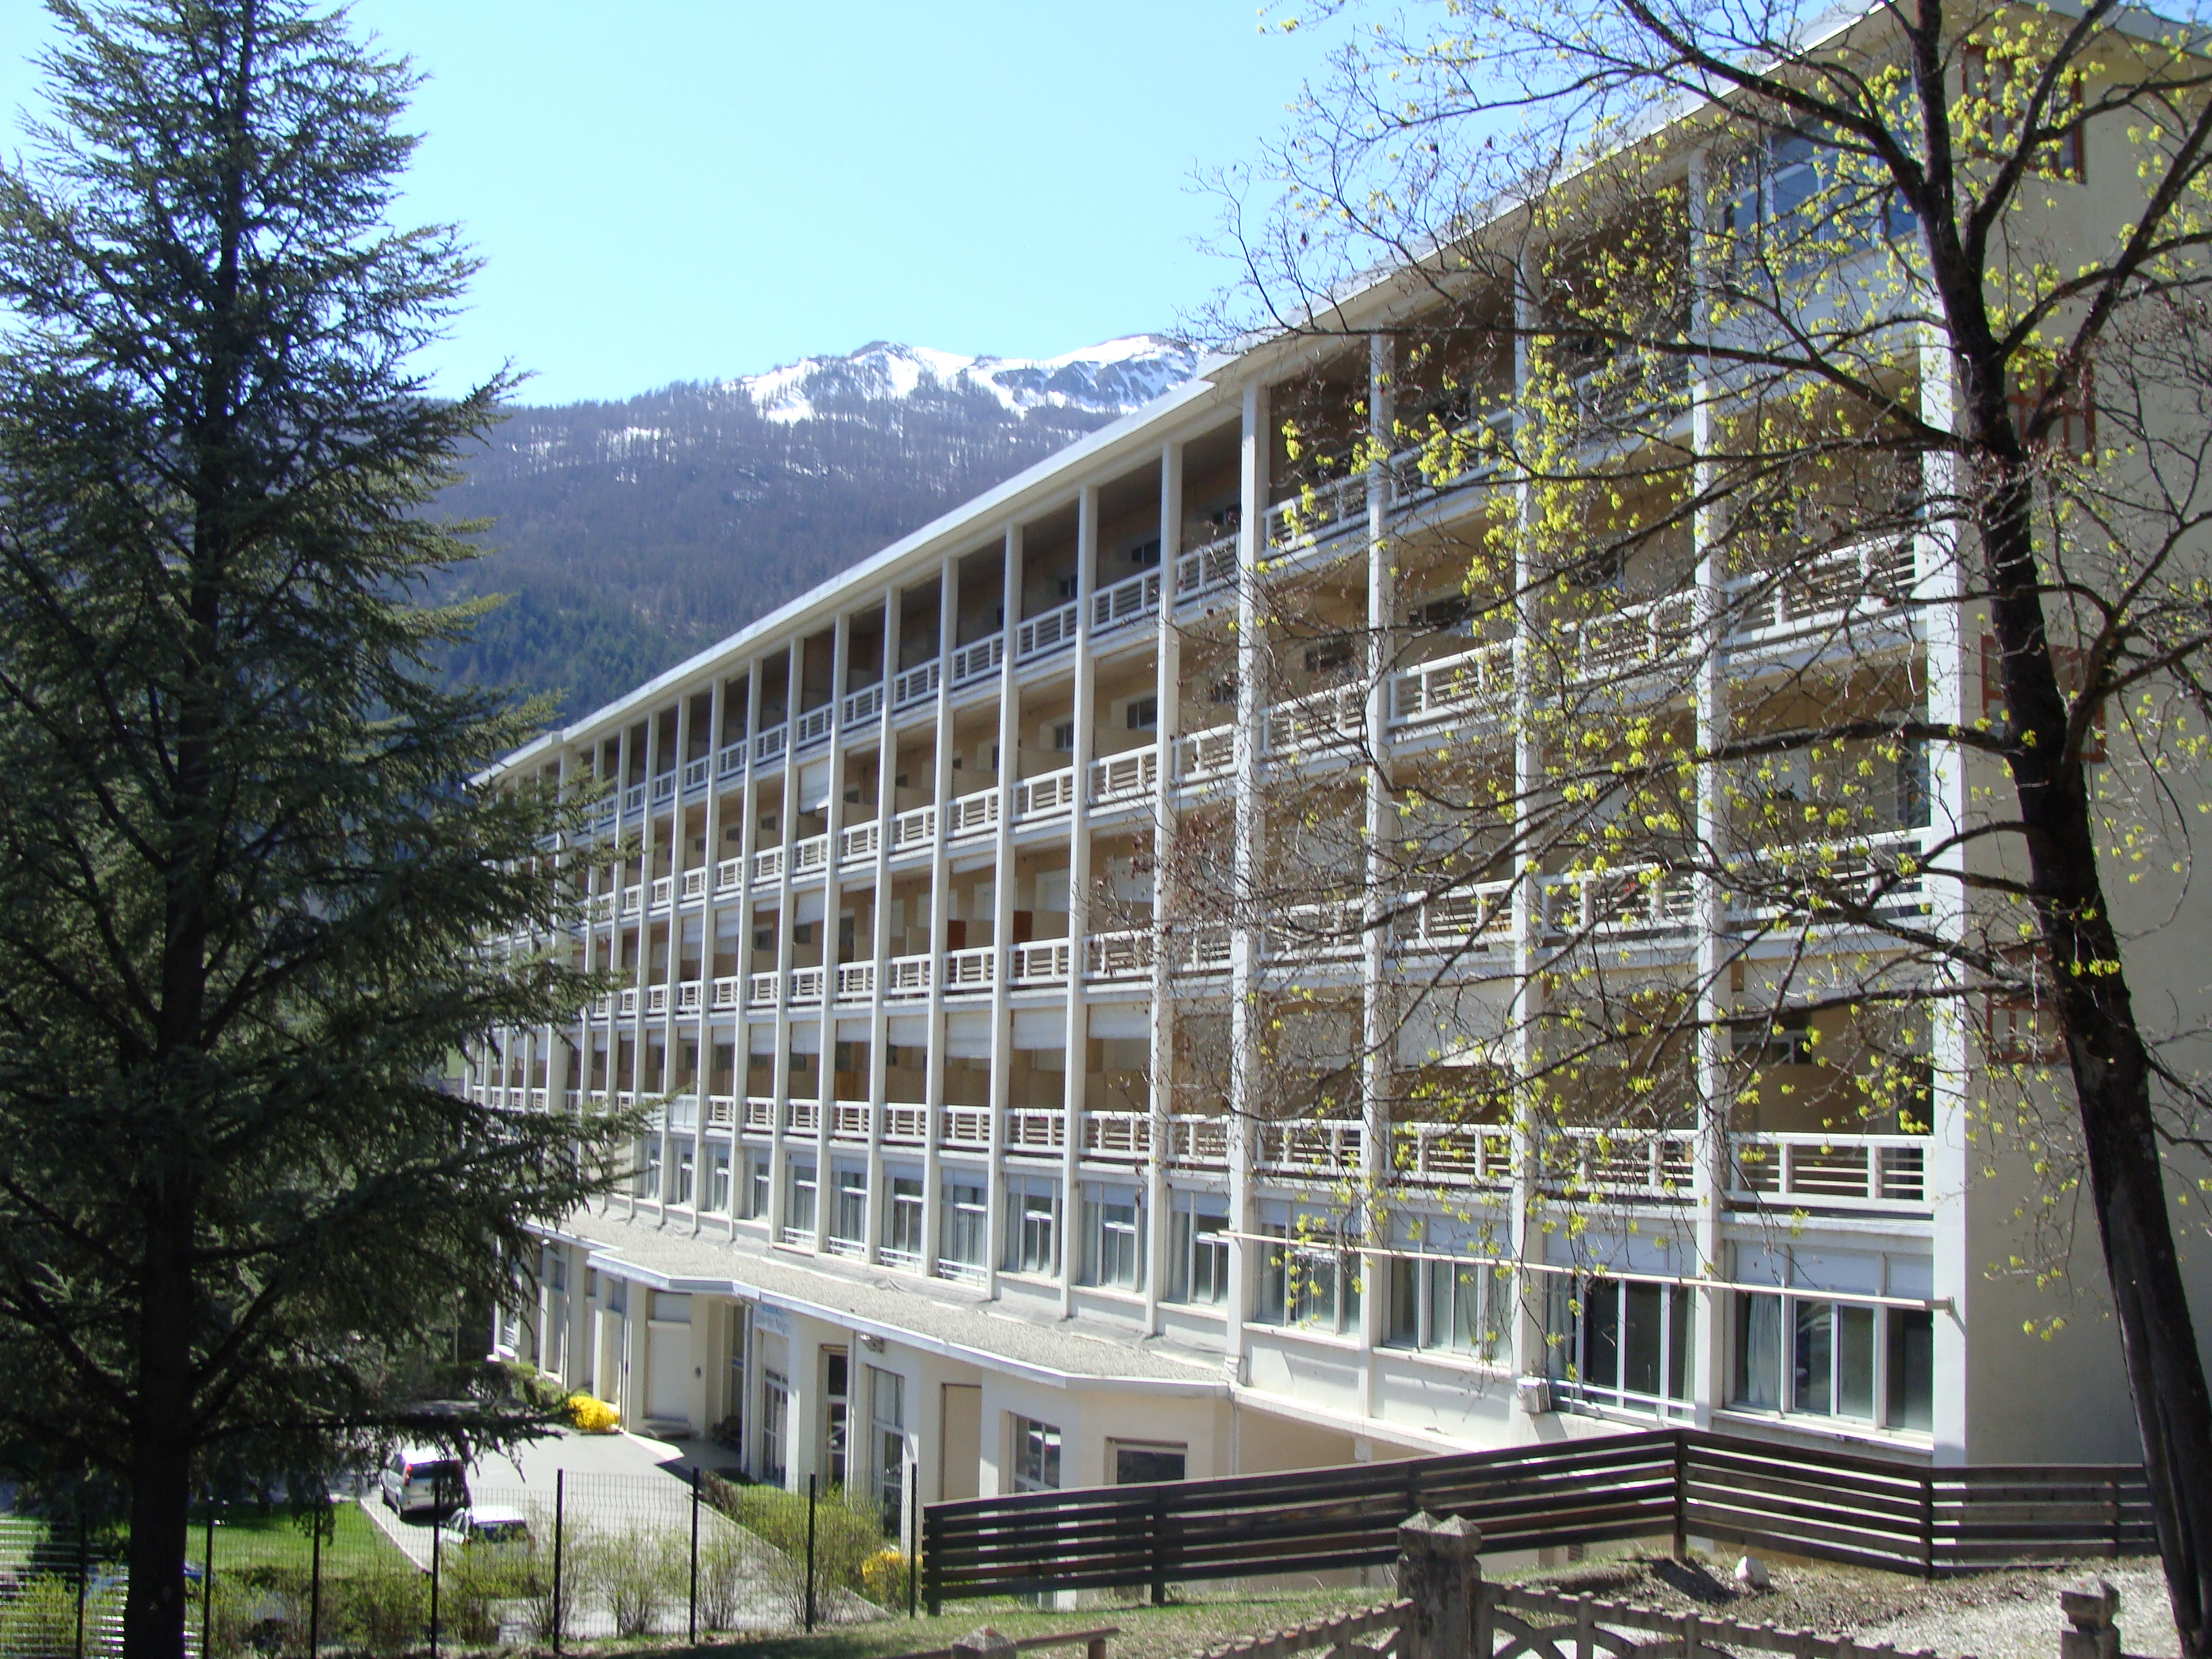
833, 822
1076, 1076
1378, 1011
940, 791
1244, 937
786, 823
710, 917
1167, 690
1002, 905
878, 942
1528, 1352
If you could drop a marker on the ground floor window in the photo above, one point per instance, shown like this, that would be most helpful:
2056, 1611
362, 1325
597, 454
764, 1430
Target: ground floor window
1138, 1462
1036, 1455
1309, 1271
1809, 1349
799, 1212
684, 1168
1452, 1307
1198, 1270
648, 1168
887, 1418
966, 1216
1114, 1237
1032, 1225
757, 1180
1623, 1343
717, 1180
849, 1224
903, 1234
776, 1426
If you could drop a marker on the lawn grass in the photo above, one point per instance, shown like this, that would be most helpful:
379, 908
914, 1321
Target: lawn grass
245, 1539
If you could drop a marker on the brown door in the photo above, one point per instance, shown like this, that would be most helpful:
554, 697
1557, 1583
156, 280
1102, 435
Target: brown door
960, 1440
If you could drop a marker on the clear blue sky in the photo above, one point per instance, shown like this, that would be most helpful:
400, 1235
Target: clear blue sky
688, 188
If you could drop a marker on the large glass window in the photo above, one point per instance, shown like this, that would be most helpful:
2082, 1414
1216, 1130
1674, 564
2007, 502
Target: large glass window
776, 1426
717, 1180
1309, 1271
1114, 1237
849, 1230
757, 1179
683, 1167
902, 1236
1452, 1307
965, 1219
799, 1212
1199, 1269
1809, 1349
1032, 1225
1037, 1455
648, 1168
1622, 1342
887, 1418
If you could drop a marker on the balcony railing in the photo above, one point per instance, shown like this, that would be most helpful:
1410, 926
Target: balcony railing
864, 704
1047, 795
760, 990
1871, 577
633, 899
1635, 898
1133, 775
1479, 678
696, 772
1206, 570
975, 969
731, 762
806, 985
849, 1119
1840, 1170
914, 830
1117, 1137
1204, 755
634, 799
1316, 514
1452, 1154
1200, 947
1454, 920
767, 866
1033, 1130
1614, 638
1049, 632
721, 1112
915, 684
856, 980
963, 1126
907, 977
811, 856
1124, 955
1323, 1145
972, 814
802, 1117
769, 744
1198, 1142
1319, 722
727, 990
905, 1124
663, 891
973, 661
1886, 872
760, 1115
1641, 1164
729, 874
859, 841
626, 1002
1125, 602
695, 883
687, 996
1043, 963
814, 725
664, 787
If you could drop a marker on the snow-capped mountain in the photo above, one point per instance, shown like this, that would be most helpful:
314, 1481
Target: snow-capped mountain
1109, 379
631, 533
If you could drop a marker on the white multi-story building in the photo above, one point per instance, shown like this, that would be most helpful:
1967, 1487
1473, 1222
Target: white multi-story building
963, 1174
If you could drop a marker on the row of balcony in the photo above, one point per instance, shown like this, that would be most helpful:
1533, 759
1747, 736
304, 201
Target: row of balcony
1814, 1169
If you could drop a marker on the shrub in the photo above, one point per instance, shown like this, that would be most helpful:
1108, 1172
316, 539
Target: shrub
728, 1563
882, 1577
592, 1415
847, 1532
39, 1621
384, 1611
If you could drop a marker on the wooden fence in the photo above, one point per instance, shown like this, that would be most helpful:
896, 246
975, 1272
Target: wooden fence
1658, 1483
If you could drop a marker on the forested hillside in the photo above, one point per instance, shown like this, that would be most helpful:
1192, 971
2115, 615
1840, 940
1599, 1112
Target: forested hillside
630, 534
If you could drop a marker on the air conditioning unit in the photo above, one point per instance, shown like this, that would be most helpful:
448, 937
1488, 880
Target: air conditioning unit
1534, 1394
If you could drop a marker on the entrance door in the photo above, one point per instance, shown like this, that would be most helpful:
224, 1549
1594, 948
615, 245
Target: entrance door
668, 1372
960, 1440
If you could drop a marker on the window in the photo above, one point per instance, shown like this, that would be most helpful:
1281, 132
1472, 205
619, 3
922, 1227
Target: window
1146, 555
887, 1418
1806, 201
836, 1415
903, 1234
1332, 656
1145, 713
1036, 1455
1622, 1343
1310, 1277
717, 1180
1063, 737
1065, 585
849, 1225
1112, 1232
1032, 1225
1137, 1463
965, 1218
683, 1161
1199, 1270
1452, 614
648, 1171
757, 1179
1782, 1039
798, 1211
1810, 1349
776, 1426
1449, 1307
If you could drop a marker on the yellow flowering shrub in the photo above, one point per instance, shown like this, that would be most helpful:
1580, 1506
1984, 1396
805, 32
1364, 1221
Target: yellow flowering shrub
592, 1415
883, 1578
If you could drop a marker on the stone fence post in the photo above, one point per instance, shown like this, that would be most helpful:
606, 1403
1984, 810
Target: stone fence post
2092, 1609
1440, 1573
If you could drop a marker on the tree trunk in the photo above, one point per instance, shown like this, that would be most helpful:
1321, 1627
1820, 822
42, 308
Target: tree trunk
161, 1460
2110, 1068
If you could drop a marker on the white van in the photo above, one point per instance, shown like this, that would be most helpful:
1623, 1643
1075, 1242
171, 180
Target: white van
420, 1478
487, 1529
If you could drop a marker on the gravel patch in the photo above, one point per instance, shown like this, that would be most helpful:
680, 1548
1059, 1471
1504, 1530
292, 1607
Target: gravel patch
2011, 1613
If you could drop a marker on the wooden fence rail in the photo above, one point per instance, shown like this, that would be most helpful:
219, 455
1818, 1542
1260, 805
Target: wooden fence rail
1657, 1483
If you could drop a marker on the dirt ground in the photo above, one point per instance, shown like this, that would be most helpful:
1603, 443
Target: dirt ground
2008, 1615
